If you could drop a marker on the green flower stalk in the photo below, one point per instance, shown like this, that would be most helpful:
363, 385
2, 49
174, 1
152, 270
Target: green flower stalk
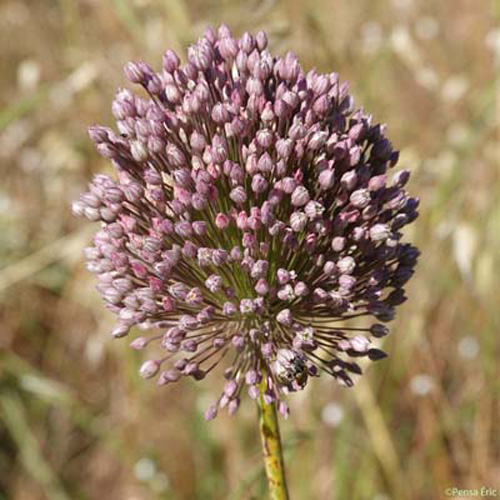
272, 449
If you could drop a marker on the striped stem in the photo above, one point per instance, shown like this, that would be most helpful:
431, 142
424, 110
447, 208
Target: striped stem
271, 447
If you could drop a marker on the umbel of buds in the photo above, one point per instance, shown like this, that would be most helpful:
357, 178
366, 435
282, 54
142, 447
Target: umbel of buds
253, 215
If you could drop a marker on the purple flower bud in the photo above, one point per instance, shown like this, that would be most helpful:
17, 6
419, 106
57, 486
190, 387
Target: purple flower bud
211, 413
317, 140
230, 388
376, 183
288, 185
238, 195
286, 293
229, 309
259, 269
338, 244
199, 228
135, 72
267, 115
359, 343
139, 151
198, 201
276, 228
206, 314
190, 345
360, 198
284, 409
228, 48
170, 61
284, 317
346, 265
222, 221
265, 140
238, 342
262, 287
236, 254
247, 306
233, 406
253, 377
347, 281
169, 376
139, 343
183, 229
191, 368
349, 180
379, 330
187, 322
213, 283
298, 221
326, 179
175, 155
379, 232
178, 291
98, 134
267, 349
301, 289
399, 179
254, 392
133, 192
254, 87
248, 240
120, 330
197, 141
220, 114
194, 297
275, 196
314, 209
319, 295
265, 163
283, 276
149, 368
300, 196
219, 257
259, 184
261, 40
247, 43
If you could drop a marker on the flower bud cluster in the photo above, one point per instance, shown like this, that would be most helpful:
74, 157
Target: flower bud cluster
253, 215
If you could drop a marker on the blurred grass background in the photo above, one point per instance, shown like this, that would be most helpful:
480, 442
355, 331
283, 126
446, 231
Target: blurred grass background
75, 420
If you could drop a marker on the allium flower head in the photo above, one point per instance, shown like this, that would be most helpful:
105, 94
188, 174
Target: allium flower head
253, 215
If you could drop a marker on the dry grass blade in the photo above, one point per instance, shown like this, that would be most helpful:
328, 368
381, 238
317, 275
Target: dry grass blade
67, 247
15, 420
380, 436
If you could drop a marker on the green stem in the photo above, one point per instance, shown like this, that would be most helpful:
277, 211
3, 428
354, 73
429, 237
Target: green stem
271, 447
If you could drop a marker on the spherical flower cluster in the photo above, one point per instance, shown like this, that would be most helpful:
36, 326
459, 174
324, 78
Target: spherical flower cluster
252, 217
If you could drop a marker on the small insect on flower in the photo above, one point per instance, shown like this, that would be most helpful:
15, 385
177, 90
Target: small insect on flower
252, 217
291, 368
